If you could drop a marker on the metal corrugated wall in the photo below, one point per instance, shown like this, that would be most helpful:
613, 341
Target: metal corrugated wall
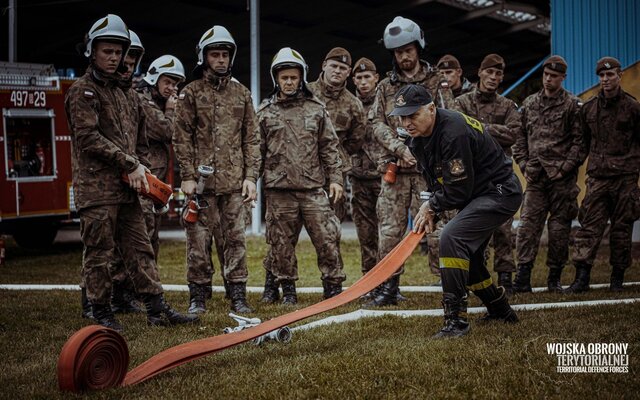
582, 31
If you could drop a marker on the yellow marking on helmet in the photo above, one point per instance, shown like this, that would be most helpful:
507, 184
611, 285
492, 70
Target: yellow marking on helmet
297, 55
167, 65
104, 24
210, 34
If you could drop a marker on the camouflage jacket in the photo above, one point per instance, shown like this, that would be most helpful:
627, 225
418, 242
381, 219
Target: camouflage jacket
298, 144
347, 116
550, 136
364, 166
465, 88
612, 135
216, 126
498, 114
108, 139
159, 124
385, 128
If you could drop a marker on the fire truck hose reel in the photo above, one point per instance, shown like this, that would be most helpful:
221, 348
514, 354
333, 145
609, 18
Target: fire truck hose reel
97, 358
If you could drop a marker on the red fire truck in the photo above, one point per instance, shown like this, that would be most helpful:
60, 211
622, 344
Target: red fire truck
35, 154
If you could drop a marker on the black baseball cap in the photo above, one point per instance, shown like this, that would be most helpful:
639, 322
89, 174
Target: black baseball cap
409, 99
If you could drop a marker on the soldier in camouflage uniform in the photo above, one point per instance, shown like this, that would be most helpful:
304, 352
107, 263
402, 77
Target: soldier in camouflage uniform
364, 176
405, 40
215, 126
109, 141
158, 94
299, 151
611, 123
449, 67
502, 120
346, 112
549, 151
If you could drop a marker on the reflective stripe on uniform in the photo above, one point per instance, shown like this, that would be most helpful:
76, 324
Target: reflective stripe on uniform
452, 262
481, 285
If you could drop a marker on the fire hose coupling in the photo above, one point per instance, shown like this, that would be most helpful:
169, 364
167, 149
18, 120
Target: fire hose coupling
159, 192
197, 203
281, 335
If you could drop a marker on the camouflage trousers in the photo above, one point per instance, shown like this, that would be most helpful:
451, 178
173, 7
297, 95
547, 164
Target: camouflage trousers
104, 229
394, 204
502, 243
226, 215
615, 199
287, 212
364, 197
558, 200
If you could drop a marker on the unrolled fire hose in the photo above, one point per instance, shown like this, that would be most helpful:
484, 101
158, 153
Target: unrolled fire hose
97, 358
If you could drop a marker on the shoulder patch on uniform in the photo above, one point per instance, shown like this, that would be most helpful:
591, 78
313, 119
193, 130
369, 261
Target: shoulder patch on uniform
89, 94
456, 167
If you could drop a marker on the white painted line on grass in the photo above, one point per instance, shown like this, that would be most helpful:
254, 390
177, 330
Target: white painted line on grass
259, 289
356, 315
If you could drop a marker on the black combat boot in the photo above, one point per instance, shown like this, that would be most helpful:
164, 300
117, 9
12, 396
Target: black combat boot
553, 280
455, 317
331, 289
522, 283
399, 296
159, 313
103, 315
387, 295
581, 282
289, 296
271, 293
123, 300
86, 305
617, 279
504, 280
371, 295
238, 292
197, 294
498, 309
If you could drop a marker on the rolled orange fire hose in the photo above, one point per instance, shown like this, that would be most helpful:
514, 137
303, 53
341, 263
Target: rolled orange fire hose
96, 357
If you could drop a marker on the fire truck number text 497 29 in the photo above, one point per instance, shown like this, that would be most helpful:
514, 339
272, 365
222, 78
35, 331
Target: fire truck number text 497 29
23, 98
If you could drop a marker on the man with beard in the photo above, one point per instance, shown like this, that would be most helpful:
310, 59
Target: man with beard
109, 141
215, 126
405, 41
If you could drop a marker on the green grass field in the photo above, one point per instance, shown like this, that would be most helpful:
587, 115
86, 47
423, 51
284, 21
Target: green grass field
385, 357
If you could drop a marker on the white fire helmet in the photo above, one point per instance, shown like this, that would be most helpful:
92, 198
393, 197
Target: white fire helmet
216, 36
165, 65
288, 58
136, 45
402, 31
110, 27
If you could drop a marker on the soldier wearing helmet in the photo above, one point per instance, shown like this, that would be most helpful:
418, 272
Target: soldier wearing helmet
299, 151
158, 95
215, 126
346, 112
405, 40
108, 142
501, 120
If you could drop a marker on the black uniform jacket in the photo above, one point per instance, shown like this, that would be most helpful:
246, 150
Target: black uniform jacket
459, 161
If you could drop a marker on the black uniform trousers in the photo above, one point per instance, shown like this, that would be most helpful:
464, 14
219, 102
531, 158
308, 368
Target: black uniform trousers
465, 238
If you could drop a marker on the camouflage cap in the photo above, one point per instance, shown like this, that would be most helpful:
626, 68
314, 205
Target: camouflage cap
448, 62
607, 63
492, 61
409, 99
339, 54
556, 63
364, 64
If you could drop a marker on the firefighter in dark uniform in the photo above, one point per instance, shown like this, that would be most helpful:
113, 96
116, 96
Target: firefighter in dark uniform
467, 171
